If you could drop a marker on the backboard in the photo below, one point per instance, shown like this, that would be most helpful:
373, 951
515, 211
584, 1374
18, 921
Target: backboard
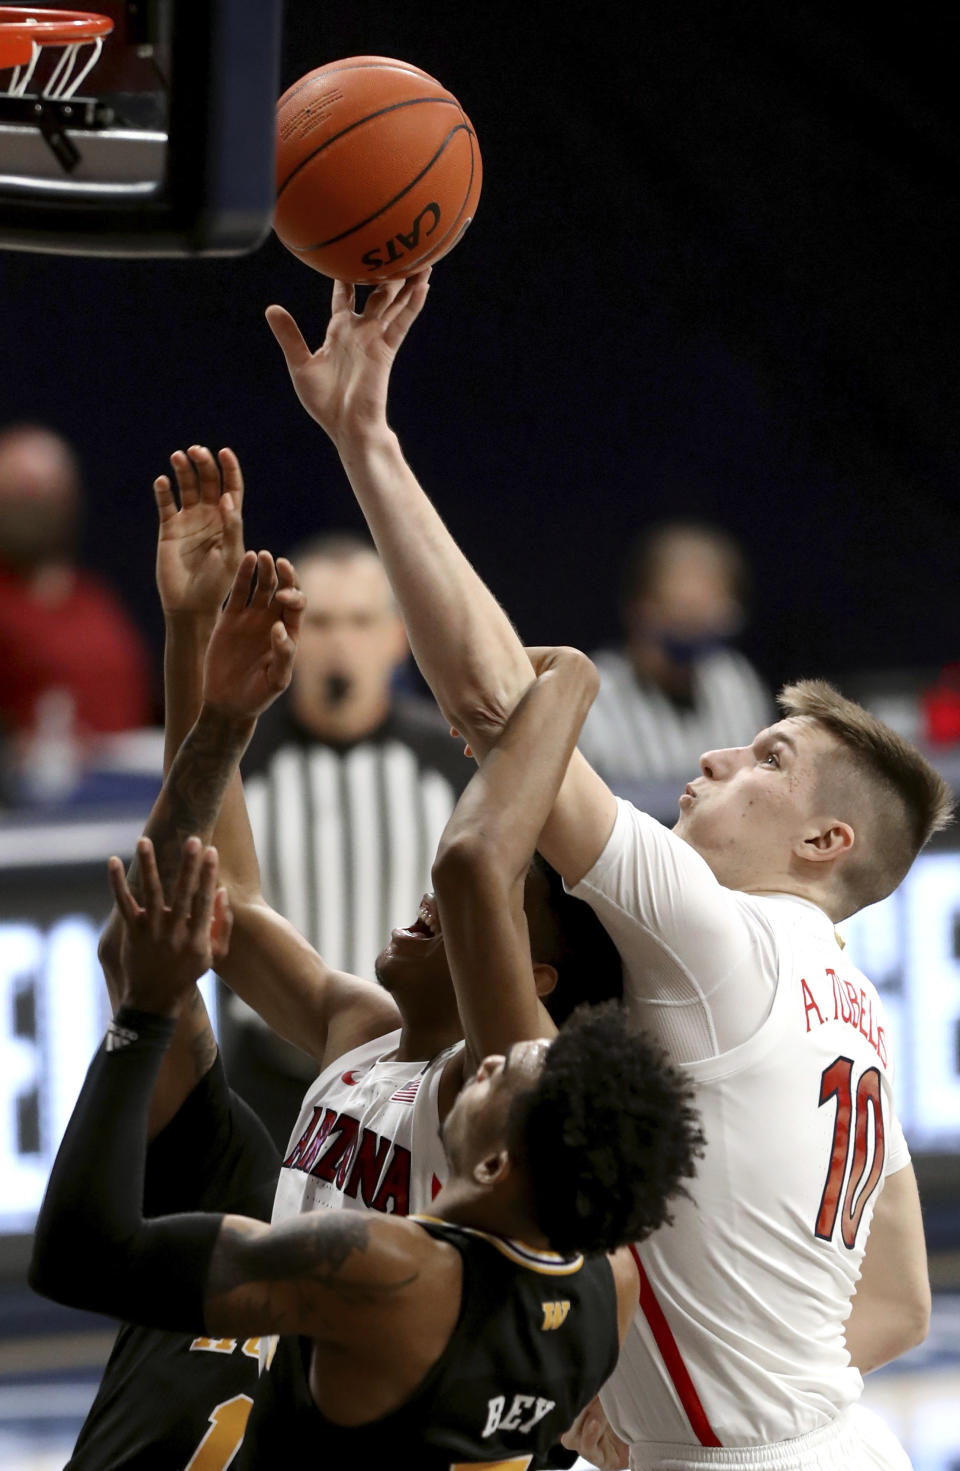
165, 147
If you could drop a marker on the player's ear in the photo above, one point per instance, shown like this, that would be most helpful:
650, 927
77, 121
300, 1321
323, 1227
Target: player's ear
827, 841
545, 977
493, 1169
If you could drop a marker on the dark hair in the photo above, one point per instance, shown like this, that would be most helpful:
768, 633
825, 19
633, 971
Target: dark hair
565, 933
606, 1135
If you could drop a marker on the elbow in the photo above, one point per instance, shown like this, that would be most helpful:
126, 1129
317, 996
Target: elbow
52, 1273
917, 1318
468, 863
480, 710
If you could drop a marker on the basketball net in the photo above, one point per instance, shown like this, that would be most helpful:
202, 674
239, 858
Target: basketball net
26, 32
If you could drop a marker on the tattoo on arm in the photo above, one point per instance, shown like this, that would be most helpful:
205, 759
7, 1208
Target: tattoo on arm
193, 792
311, 1251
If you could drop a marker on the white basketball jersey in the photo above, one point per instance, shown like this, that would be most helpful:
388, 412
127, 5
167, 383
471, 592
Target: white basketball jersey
367, 1137
738, 1340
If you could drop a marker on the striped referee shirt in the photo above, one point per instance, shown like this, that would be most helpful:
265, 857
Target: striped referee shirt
634, 731
346, 835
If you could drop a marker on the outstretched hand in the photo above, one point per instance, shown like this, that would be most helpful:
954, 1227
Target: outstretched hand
249, 659
167, 947
200, 542
343, 385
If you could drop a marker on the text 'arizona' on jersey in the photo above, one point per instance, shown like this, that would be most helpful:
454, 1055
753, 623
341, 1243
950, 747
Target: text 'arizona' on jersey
368, 1136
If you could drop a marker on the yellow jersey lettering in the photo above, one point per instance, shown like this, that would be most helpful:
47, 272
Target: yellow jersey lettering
218, 1447
518, 1463
214, 1345
554, 1314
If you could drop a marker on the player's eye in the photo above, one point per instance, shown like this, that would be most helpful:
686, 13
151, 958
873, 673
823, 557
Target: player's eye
771, 758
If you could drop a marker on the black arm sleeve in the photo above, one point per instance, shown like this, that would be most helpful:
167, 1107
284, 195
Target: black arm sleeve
92, 1247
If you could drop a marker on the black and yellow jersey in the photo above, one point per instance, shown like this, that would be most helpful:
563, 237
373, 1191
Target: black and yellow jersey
172, 1400
535, 1339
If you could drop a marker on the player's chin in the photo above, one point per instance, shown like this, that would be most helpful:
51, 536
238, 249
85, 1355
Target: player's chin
408, 959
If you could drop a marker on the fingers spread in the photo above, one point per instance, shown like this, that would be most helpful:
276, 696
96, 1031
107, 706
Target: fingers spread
284, 650
185, 890
163, 495
201, 912
232, 476
150, 885
344, 297
207, 472
382, 298
127, 905
240, 591
288, 335
405, 308
266, 580
222, 925
186, 475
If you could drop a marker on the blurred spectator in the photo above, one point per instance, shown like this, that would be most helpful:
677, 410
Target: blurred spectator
72, 663
349, 786
676, 688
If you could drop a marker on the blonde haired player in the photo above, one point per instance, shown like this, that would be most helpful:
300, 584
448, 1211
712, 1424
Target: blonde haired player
745, 1350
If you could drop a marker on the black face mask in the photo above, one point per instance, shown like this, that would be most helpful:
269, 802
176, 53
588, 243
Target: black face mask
687, 651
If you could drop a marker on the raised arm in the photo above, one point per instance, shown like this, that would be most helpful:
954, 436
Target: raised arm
199, 546
270, 965
463, 641
221, 1275
486, 849
249, 660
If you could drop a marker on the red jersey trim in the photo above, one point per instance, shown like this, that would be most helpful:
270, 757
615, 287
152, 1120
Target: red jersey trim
673, 1359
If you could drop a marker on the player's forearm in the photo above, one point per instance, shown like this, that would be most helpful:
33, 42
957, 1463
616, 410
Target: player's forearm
185, 645
881, 1329
500, 815
463, 642
185, 642
195, 786
92, 1248
275, 971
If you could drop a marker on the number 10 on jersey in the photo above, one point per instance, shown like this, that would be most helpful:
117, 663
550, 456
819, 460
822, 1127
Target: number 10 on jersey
854, 1112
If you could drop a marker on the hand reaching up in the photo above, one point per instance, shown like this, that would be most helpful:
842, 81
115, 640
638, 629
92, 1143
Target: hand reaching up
166, 948
200, 541
343, 385
249, 659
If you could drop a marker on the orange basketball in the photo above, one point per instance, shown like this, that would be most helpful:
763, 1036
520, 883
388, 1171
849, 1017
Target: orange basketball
378, 169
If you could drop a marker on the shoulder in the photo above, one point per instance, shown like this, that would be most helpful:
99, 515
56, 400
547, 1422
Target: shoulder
366, 1247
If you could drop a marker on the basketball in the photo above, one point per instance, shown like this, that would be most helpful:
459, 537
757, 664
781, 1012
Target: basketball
378, 169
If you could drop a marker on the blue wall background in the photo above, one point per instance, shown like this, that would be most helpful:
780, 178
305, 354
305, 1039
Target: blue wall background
713, 271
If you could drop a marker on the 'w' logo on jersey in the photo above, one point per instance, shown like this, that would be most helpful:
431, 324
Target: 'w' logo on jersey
553, 1314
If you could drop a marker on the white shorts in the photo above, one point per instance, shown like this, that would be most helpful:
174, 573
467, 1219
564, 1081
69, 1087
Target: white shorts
858, 1440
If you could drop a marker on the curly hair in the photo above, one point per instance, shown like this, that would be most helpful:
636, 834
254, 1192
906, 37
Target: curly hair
606, 1135
565, 933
